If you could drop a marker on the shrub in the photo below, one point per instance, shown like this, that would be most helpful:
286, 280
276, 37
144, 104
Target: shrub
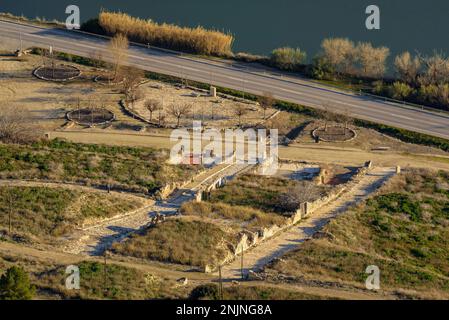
15, 285
400, 90
288, 58
194, 40
321, 69
206, 291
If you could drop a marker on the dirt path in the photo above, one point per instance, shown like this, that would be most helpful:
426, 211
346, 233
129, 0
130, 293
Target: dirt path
326, 293
298, 152
95, 239
273, 248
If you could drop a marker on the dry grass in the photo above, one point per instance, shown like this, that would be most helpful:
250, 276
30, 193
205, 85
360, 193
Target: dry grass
195, 40
183, 241
141, 170
42, 213
251, 293
258, 192
214, 112
239, 216
404, 230
120, 283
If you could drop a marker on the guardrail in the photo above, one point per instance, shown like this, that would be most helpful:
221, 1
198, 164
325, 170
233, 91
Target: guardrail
189, 56
403, 103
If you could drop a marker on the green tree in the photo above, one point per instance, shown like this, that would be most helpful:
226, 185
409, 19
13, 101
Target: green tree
321, 69
15, 285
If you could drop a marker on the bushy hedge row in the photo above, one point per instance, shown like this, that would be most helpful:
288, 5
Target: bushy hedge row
194, 40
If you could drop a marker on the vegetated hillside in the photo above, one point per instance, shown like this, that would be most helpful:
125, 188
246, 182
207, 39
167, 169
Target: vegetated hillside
97, 281
184, 241
404, 230
132, 169
40, 212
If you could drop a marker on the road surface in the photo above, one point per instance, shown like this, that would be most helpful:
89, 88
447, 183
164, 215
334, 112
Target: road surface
237, 76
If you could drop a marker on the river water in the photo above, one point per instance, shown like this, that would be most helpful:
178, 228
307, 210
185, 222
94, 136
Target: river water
261, 25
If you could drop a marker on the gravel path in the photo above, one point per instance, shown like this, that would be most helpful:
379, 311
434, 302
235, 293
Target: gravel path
256, 258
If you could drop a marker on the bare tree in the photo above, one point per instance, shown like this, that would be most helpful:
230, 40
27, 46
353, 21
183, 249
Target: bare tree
16, 125
266, 101
407, 67
152, 105
436, 69
161, 118
97, 59
119, 50
372, 60
130, 86
240, 111
135, 95
178, 111
326, 115
339, 53
344, 118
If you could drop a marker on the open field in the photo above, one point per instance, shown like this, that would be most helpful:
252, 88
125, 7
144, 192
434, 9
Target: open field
45, 214
212, 112
48, 102
133, 169
403, 230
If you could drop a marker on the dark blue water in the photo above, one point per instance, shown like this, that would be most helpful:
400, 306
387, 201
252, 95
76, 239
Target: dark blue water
259, 26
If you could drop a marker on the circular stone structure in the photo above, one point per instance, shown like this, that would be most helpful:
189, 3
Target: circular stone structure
91, 116
334, 134
58, 73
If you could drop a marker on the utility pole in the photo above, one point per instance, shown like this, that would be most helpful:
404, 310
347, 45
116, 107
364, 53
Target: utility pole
105, 289
10, 213
21, 43
221, 283
241, 265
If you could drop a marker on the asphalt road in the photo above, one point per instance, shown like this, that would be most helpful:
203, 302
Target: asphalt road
238, 76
